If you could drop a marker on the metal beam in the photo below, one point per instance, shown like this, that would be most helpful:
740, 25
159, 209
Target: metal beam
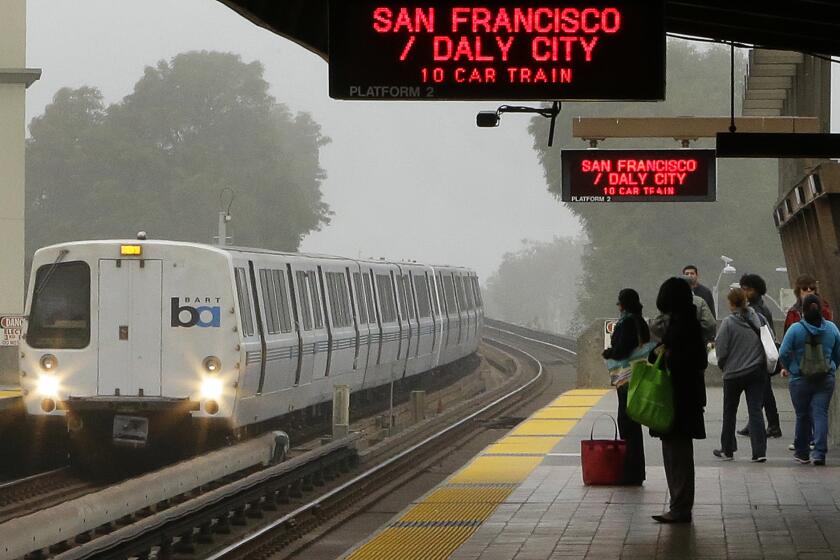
684, 127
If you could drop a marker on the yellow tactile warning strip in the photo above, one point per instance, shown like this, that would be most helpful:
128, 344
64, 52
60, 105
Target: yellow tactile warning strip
523, 445
446, 517
414, 543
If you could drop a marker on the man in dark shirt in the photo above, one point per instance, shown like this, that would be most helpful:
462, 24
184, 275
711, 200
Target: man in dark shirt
690, 272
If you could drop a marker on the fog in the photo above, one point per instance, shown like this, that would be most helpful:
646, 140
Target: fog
406, 180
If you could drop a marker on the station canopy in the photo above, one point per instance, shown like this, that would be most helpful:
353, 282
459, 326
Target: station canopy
809, 26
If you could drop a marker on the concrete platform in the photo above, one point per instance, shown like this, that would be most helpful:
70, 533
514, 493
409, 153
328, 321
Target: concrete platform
743, 510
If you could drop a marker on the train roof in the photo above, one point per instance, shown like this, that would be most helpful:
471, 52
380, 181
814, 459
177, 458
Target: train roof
238, 249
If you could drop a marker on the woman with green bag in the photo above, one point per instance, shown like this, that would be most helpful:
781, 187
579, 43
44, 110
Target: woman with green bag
685, 358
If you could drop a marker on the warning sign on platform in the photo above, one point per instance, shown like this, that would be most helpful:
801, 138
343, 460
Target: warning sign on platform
12, 326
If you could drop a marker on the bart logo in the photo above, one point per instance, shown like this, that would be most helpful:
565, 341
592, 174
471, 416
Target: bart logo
204, 316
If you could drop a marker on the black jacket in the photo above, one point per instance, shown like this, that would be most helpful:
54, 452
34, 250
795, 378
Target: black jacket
631, 332
686, 359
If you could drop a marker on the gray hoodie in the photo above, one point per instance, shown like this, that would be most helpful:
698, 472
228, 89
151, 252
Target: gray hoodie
738, 346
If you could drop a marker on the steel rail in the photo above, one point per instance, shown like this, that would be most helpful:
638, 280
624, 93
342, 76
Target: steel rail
315, 504
572, 352
36, 476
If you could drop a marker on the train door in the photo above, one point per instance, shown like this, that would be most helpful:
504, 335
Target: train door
390, 327
437, 318
360, 315
302, 305
282, 342
466, 309
130, 323
444, 309
461, 320
406, 313
340, 323
374, 323
425, 321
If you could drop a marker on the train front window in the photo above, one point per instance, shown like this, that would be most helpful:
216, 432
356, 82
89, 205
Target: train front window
60, 312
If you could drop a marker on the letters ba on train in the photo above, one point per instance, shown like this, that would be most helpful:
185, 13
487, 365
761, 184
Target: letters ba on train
519, 50
639, 175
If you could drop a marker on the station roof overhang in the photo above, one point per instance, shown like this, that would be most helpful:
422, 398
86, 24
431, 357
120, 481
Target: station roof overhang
809, 26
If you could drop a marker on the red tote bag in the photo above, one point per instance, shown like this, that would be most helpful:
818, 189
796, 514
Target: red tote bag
602, 460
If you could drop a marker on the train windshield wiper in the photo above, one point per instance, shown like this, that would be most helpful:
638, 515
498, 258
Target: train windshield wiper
61, 254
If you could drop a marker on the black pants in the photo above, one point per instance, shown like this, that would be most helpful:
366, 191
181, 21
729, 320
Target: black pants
631, 432
770, 409
678, 457
754, 385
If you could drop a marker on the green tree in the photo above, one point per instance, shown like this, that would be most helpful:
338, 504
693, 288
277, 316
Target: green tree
537, 285
159, 159
639, 245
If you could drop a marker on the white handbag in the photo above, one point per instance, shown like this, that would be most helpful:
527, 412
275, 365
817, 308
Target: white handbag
771, 353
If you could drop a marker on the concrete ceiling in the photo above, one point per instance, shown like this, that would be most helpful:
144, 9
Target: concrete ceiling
810, 26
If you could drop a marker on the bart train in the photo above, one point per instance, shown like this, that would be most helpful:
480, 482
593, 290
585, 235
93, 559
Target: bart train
131, 340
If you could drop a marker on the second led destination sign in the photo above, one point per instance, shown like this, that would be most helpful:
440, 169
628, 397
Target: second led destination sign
520, 50
639, 175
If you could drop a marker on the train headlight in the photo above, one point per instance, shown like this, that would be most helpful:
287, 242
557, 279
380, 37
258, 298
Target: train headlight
211, 388
47, 385
212, 364
49, 362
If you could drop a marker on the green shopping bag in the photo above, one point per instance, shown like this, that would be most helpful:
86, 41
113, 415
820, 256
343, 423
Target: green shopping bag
650, 398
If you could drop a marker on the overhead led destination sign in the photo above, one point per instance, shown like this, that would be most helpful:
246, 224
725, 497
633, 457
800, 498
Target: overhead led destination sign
492, 50
639, 175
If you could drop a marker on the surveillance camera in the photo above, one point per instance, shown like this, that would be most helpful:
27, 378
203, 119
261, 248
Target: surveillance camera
725, 259
487, 119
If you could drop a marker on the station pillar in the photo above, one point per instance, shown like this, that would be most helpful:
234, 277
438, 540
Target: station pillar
14, 79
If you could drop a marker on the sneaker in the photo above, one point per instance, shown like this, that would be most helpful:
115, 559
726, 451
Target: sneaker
791, 447
719, 453
812, 445
801, 460
761, 459
819, 462
774, 432
745, 431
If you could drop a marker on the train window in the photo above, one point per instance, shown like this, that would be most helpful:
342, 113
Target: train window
371, 305
449, 294
269, 301
283, 315
468, 292
459, 291
386, 298
441, 294
433, 295
360, 297
303, 292
421, 288
60, 313
244, 302
317, 305
405, 297
477, 289
339, 302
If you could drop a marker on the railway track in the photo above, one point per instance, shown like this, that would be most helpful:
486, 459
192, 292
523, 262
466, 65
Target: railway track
32, 493
290, 535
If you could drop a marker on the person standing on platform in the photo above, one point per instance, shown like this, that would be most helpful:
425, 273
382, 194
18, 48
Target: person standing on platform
809, 354
685, 358
690, 272
754, 288
630, 342
804, 286
741, 357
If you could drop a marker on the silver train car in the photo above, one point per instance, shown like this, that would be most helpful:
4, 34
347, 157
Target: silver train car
131, 340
